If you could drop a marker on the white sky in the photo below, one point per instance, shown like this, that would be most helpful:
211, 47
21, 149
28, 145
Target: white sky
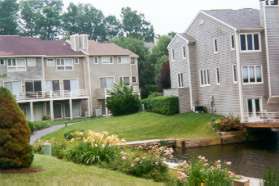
167, 15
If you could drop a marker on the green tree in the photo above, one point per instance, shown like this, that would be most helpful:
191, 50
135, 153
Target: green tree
41, 18
84, 18
113, 27
8, 17
146, 69
122, 100
15, 151
134, 25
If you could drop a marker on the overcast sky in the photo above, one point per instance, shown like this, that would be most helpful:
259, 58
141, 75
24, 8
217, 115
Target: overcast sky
168, 15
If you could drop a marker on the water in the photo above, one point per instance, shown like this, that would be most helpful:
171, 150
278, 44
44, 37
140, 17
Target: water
250, 159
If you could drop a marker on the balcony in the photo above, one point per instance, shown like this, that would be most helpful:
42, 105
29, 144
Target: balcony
55, 95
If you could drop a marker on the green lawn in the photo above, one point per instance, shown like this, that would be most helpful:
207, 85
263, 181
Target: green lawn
59, 173
143, 126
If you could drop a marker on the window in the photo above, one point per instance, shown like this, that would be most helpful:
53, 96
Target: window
33, 86
125, 80
252, 74
133, 60
173, 54
180, 80
65, 64
271, 2
106, 83
250, 42
204, 77
235, 79
76, 61
106, 60
16, 65
215, 45
232, 42
2, 62
217, 76
134, 79
123, 60
184, 52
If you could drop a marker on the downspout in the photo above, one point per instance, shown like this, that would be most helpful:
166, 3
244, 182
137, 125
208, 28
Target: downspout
190, 77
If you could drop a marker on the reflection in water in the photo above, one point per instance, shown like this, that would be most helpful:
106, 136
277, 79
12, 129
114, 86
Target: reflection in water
251, 159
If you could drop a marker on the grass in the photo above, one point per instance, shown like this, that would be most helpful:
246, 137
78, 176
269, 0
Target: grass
59, 172
143, 126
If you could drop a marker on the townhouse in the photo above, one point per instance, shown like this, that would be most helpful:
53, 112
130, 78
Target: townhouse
64, 79
227, 61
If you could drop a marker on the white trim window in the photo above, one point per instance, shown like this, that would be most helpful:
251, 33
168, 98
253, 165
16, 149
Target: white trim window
204, 77
180, 80
217, 76
250, 42
173, 54
215, 45
106, 60
123, 60
232, 42
234, 70
133, 60
16, 65
252, 74
64, 64
271, 2
134, 79
125, 80
106, 82
184, 52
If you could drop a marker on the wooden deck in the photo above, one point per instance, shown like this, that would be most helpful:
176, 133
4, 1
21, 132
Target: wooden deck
262, 125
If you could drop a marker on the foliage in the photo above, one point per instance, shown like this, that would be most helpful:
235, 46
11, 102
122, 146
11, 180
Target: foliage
41, 18
164, 81
8, 17
88, 154
122, 100
34, 126
134, 25
15, 151
201, 171
229, 123
271, 178
162, 105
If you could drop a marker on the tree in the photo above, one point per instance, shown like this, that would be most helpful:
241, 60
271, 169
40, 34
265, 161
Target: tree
146, 69
164, 78
15, 151
84, 18
113, 27
122, 100
8, 17
134, 25
41, 18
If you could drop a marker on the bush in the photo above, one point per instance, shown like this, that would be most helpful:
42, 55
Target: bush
226, 124
162, 105
123, 101
15, 151
88, 154
38, 125
271, 178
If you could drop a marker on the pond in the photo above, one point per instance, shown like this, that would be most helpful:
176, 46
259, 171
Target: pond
249, 159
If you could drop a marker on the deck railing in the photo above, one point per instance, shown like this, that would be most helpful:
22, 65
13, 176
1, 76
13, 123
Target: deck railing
51, 94
261, 117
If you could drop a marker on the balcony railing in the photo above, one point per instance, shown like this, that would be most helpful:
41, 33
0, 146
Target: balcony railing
262, 117
51, 94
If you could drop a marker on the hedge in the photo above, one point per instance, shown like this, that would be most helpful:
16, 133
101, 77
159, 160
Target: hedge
162, 105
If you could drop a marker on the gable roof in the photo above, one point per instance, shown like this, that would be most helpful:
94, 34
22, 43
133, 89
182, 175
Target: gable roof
108, 49
241, 19
187, 38
13, 45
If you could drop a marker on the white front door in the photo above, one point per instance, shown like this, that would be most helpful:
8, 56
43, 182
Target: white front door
254, 109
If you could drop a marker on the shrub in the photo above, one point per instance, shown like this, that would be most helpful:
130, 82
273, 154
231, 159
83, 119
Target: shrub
226, 124
38, 125
271, 178
123, 101
88, 154
15, 151
162, 105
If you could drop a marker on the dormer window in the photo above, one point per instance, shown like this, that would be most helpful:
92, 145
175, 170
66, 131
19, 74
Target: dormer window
250, 42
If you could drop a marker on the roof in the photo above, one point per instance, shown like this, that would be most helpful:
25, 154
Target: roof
12, 45
187, 37
241, 19
108, 49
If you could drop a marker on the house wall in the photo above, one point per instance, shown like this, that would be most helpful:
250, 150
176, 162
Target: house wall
226, 95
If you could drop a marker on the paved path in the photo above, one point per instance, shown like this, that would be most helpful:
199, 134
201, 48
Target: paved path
39, 134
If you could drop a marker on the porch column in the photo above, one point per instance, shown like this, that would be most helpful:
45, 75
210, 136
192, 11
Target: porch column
31, 111
51, 110
71, 108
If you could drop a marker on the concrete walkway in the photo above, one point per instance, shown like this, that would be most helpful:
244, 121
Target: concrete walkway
39, 134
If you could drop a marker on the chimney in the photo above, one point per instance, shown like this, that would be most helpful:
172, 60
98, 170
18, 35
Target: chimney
83, 42
74, 42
